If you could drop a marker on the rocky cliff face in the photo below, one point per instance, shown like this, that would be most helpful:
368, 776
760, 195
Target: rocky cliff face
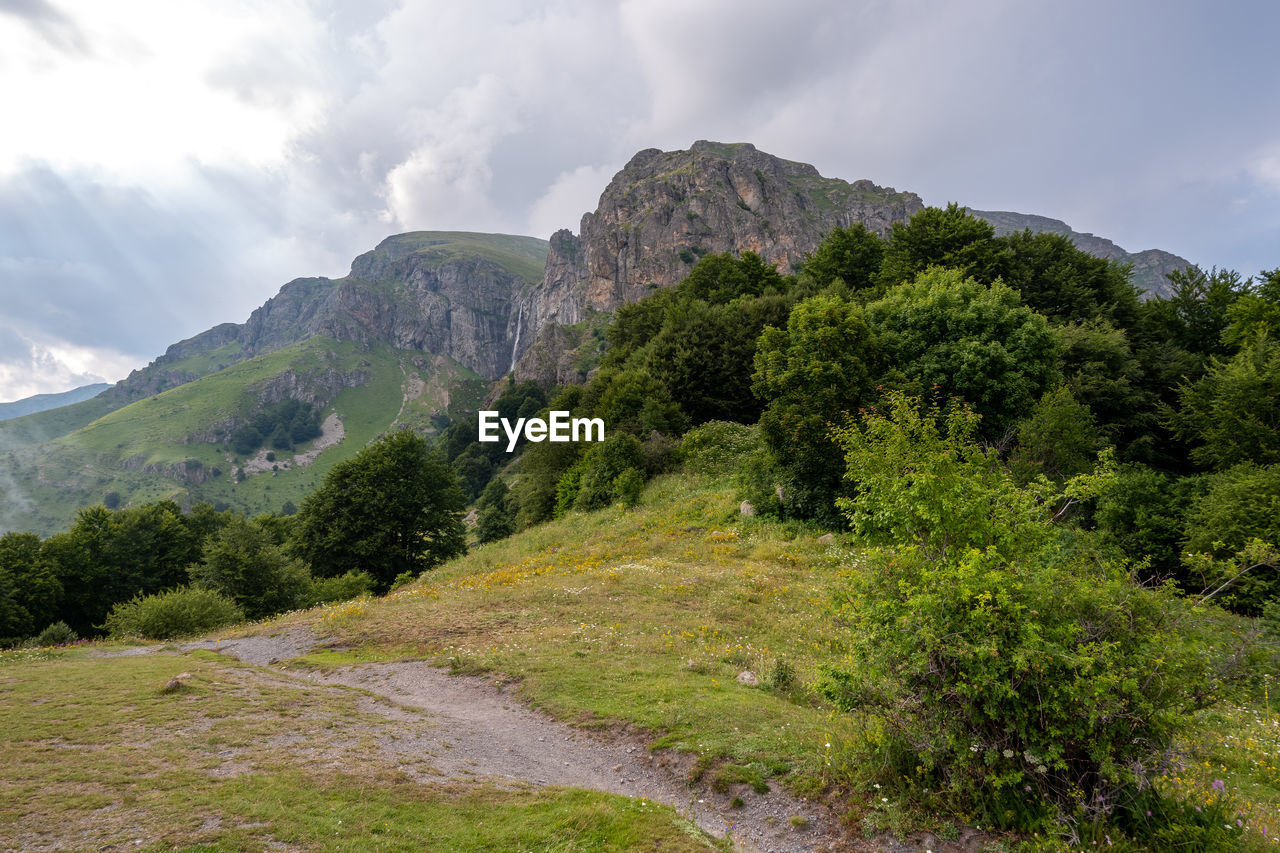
664, 210
446, 293
1149, 267
457, 307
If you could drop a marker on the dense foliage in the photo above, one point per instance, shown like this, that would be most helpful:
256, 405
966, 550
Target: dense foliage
1014, 670
279, 425
393, 508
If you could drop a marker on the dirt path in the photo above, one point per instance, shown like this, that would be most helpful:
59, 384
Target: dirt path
480, 731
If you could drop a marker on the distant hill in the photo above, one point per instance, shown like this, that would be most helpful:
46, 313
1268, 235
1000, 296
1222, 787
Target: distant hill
44, 402
1150, 266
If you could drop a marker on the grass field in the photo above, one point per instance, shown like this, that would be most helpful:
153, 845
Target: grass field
645, 618
636, 620
133, 450
97, 754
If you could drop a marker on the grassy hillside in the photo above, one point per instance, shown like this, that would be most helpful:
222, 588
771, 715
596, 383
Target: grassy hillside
644, 619
632, 621
173, 445
523, 256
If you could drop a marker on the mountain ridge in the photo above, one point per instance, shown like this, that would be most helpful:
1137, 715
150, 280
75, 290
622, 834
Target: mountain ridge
43, 402
431, 309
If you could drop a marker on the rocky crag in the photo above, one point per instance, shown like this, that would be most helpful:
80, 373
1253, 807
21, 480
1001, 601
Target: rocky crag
665, 210
445, 293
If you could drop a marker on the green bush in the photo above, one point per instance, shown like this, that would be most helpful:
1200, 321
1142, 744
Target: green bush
601, 467
1143, 513
341, 588
627, 486
717, 448
57, 634
1236, 520
1006, 664
243, 562
176, 613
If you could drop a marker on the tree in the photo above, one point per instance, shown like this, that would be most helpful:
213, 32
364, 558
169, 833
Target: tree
1062, 282
950, 237
810, 375
243, 563
950, 334
719, 279
496, 519
1232, 414
1241, 506
29, 591
851, 255
1257, 309
390, 509
703, 349
1058, 439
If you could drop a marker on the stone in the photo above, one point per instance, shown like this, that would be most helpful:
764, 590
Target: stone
827, 539
748, 678
746, 509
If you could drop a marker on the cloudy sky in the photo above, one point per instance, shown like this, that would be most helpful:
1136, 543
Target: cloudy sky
167, 165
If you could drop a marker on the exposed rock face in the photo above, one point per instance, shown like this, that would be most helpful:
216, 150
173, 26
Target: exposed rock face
478, 298
664, 210
1149, 267
441, 292
459, 308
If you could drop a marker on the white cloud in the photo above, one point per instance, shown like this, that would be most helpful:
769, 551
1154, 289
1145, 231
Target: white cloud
1266, 167
570, 195
33, 367
161, 83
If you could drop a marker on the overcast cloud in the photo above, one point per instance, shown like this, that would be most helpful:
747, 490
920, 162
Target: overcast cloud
165, 167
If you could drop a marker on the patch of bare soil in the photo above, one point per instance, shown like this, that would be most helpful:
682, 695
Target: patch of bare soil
464, 728
331, 432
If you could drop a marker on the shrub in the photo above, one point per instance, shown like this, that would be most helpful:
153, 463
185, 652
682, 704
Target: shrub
1009, 666
717, 448
176, 613
1142, 513
243, 562
1241, 506
601, 467
57, 634
342, 588
627, 486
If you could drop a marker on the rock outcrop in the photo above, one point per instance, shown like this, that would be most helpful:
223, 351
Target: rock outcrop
665, 210
446, 293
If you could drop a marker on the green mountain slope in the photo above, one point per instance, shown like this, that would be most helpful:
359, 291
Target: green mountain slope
175, 444
414, 331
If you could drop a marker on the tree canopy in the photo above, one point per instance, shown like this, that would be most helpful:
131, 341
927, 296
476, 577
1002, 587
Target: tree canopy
393, 508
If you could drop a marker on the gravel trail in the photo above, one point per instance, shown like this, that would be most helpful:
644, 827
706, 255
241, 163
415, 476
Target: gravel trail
479, 731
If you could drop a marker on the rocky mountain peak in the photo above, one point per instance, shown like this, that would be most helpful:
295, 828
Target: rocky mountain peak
666, 209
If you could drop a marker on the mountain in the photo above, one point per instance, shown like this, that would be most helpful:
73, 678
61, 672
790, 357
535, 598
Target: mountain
1149, 266
423, 324
44, 402
411, 336
665, 210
